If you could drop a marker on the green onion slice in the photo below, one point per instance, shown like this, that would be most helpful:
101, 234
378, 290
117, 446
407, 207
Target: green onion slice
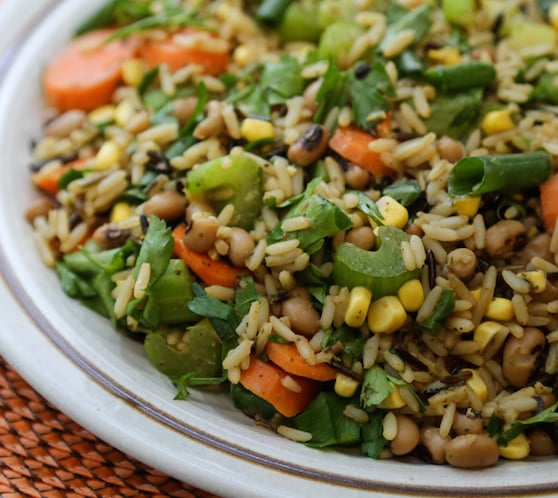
505, 173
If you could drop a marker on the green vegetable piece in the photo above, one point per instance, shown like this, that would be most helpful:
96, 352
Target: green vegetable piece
373, 440
376, 387
300, 23
506, 173
201, 351
337, 39
172, 293
547, 416
235, 180
546, 88
250, 404
462, 76
529, 34
455, 114
418, 19
459, 12
114, 12
325, 420
404, 191
382, 271
442, 311
330, 11
281, 80
272, 11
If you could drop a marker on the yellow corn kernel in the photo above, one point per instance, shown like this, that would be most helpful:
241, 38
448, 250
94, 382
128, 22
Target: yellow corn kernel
394, 213
359, 301
486, 332
500, 309
497, 122
133, 71
467, 206
123, 112
516, 449
394, 400
553, 15
411, 295
386, 315
102, 115
243, 55
446, 56
476, 293
345, 386
120, 211
536, 279
109, 154
253, 129
476, 384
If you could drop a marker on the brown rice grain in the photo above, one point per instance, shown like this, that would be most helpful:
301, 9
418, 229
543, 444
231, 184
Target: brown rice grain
231, 121
294, 434
407, 149
515, 282
429, 303
289, 383
295, 224
355, 413
447, 420
219, 292
233, 375
389, 425
399, 43
237, 355
408, 255
43, 248
124, 293
262, 337
281, 329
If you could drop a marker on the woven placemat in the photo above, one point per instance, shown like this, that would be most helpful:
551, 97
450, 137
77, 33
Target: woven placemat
43, 453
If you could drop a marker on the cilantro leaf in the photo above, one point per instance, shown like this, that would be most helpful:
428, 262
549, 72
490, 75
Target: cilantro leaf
375, 387
547, 416
373, 440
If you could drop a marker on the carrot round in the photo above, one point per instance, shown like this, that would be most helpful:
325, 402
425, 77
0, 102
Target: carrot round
175, 56
47, 179
86, 72
289, 359
266, 381
210, 271
352, 144
549, 201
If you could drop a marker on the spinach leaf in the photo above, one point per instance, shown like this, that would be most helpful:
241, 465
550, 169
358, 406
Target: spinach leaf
373, 440
325, 420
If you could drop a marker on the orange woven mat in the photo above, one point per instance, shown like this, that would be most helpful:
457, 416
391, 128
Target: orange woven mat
45, 454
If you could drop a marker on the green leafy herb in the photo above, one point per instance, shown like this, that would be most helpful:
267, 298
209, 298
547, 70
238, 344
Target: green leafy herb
440, 314
352, 340
373, 440
250, 404
404, 191
147, 80
271, 11
418, 19
114, 13
325, 420
547, 416
72, 284
369, 208
69, 176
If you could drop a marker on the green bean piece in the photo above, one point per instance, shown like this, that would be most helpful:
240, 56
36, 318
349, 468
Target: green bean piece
462, 76
505, 173
272, 11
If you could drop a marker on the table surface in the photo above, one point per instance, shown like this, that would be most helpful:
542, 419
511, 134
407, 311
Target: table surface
43, 453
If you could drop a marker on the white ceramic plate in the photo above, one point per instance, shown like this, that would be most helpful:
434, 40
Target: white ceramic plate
102, 379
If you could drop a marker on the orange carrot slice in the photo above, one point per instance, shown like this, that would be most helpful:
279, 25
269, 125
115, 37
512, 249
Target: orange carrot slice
549, 201
48, 178
86, 72
289, 359
210, 271
266, 380
175, 56
352, 144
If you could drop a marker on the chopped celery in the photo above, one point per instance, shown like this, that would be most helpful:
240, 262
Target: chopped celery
528, 34
382, 271
235, 180
330, 11
200, 351
337, 39
300, 23
460, 12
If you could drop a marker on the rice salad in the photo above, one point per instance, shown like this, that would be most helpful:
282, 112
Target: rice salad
341, 213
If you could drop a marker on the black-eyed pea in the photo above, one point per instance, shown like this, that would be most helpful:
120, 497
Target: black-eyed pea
183, 108
200, 233
450, 149
61, 126
407, 437
357, 177
503, 236
434, 443
39, 207
310, 147
302, 315
168, 205
541, 443
241, 245
472, 451
462, 262
110, 235
362, 237
520, 356
467, 423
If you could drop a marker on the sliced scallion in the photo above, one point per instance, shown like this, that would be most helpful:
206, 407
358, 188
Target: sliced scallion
462, 76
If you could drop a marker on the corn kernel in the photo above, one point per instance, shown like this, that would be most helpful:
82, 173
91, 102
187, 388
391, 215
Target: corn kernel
467, 206
476, 384
359, 301
497, 122
516, 449
253, 129
133, 71
394, 213
500, 309
123, 113
536, 279
386, 315
345, 386
446, 56
553, 15
394, 400
120, 211
102, 115
486, 332
411, 295
243, 55
476, 293
109, 154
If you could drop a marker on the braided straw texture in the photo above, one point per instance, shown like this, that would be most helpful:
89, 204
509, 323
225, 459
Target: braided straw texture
45, 454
